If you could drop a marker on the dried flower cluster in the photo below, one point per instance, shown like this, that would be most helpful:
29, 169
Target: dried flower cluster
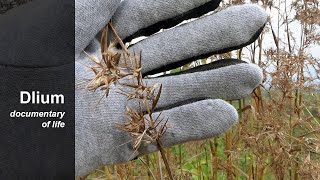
125, 71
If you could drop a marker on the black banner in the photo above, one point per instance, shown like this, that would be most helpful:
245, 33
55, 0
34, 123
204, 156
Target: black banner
37, 91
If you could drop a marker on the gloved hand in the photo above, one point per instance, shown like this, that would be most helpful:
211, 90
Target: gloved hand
191, 100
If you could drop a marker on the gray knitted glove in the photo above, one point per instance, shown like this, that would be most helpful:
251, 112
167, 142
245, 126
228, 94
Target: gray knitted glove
191, 100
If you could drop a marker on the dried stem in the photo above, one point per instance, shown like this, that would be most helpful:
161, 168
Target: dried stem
163, 155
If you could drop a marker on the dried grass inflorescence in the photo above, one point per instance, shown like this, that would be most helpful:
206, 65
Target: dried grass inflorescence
125, 71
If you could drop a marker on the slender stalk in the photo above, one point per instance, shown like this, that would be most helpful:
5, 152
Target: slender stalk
160, 166
107, 173
180, 158
228, 154
147, 163
163, 155
116, 170
251, 167
213, 149
120, 172
168, 154
150, 174
199, 167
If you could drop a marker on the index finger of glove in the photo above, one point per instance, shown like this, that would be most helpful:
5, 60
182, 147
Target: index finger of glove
227, 30
136, 18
